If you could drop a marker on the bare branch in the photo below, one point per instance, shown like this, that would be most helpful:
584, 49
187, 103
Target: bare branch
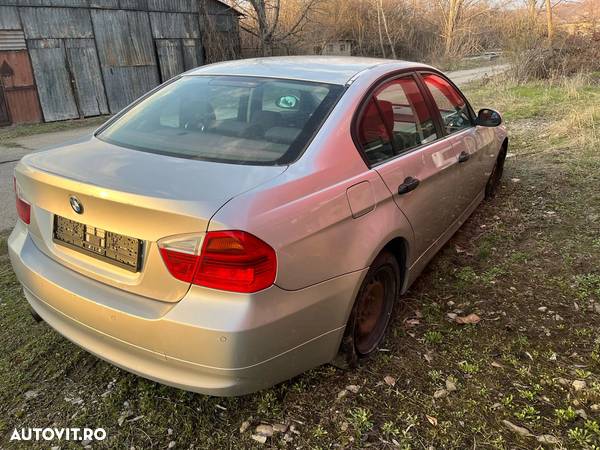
300, 20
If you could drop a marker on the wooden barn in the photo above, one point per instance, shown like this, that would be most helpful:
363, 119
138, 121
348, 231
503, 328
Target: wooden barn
66, 59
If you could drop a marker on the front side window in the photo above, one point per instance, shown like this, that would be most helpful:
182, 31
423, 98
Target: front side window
453, 108
395, 120
241, 120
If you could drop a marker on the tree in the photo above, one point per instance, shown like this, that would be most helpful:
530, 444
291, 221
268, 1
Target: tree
382, 20
549, 22
457, 18
533, 8
266, 24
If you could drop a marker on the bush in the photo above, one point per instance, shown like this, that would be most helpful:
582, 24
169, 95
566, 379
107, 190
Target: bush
570, 55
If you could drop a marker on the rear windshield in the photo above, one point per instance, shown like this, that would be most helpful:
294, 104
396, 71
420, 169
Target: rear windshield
239, 120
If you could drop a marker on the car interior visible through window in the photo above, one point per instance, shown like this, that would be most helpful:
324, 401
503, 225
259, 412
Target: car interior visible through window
230, 119
453, 108
395, 120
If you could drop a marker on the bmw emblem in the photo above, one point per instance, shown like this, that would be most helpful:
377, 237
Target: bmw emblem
76, 204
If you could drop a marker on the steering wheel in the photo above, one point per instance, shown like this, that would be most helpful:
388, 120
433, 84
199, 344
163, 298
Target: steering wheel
454, 120
198, 119
401, 142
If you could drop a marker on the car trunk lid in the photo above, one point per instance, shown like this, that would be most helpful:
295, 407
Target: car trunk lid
133, 194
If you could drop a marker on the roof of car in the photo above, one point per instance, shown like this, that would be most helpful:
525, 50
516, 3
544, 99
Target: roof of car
323, 69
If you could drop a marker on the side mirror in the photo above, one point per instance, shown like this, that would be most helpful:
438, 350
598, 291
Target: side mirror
488, 118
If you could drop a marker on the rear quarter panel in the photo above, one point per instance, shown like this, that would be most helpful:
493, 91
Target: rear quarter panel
304, 214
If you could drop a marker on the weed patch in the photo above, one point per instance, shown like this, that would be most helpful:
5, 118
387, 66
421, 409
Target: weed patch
527, 375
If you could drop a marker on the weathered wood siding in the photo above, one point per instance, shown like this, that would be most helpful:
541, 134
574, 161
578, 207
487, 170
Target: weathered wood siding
113, 4
174, 25
178, 55
127, 55
56, 23
193, 53
177, 40
123, 38
71, 3
173, 5
9, 18
49, 62
93, 57
87, 77
126, 84
170, 57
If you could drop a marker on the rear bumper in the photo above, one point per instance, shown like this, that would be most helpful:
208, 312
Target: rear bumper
211, 342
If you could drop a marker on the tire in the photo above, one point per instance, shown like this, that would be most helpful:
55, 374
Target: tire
372, 309
494, 180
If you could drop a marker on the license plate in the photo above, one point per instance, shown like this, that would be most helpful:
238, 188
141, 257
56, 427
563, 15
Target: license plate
122, 251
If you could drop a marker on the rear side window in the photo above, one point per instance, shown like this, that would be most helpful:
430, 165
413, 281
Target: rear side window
453, 108
374, 134
395, 120
241, 120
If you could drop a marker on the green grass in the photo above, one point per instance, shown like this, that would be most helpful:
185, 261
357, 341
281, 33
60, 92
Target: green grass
3, 246
518, 364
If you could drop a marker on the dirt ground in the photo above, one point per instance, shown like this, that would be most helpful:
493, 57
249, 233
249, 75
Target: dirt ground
526, 375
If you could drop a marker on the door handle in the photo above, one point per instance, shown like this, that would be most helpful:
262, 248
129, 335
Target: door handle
464, 156
408, 185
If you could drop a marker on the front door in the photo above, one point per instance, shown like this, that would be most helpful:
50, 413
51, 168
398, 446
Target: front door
470, 141
402, 141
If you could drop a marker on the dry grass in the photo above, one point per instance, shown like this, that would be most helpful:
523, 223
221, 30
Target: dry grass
7, 134
525, 262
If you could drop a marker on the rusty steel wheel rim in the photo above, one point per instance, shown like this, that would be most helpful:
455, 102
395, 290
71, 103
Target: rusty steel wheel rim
496, 174
373, 310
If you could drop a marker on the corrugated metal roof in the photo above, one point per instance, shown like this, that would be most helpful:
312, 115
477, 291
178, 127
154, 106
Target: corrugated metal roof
12, 40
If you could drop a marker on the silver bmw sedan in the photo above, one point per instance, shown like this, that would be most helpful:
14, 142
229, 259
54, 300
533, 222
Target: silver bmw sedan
249, 220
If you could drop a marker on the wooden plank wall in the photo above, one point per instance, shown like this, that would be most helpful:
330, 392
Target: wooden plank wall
56, 23
178, 42
82, 60
9, 18
127, 55
93, 57
49, 61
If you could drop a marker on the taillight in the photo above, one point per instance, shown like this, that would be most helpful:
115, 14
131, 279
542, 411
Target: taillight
229, 260
181, 255
23, 208
235, 261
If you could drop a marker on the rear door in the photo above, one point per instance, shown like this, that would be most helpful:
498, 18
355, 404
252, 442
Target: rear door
400, 138
470, 142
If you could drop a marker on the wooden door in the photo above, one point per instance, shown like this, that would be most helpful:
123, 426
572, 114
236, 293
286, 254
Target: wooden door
20, 98
4, 115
